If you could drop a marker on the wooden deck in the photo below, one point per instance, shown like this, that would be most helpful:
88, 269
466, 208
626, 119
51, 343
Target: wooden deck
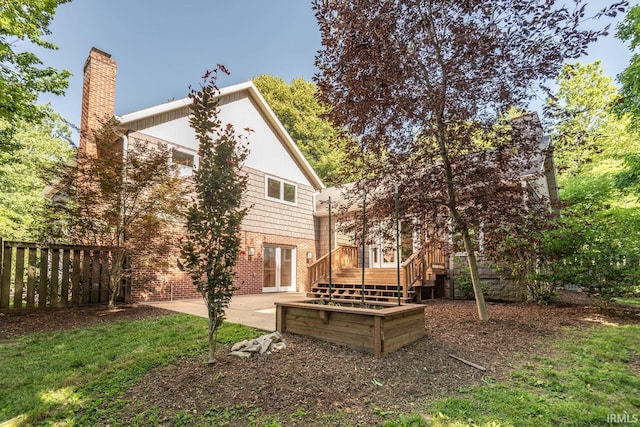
418, 272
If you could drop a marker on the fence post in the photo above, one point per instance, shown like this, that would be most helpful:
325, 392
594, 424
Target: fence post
1, 255
5, 278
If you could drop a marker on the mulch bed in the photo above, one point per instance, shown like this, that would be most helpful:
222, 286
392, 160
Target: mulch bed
323, 378
14, 323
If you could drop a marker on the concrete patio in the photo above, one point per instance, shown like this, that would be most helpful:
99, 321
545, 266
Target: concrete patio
257, 311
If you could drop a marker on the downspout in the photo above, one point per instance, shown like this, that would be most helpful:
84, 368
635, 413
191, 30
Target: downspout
125, 150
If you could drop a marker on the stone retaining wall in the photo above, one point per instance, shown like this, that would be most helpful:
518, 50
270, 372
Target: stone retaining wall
499, 288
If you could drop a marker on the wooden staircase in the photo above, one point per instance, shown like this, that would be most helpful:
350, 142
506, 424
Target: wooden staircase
380, 284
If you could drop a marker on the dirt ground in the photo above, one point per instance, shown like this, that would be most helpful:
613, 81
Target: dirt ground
314, 377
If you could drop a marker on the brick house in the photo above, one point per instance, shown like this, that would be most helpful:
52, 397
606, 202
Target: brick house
278, 233
284, 235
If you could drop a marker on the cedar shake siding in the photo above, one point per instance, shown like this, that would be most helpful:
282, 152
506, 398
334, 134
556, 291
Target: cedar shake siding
268, 222
278, 218
322, 235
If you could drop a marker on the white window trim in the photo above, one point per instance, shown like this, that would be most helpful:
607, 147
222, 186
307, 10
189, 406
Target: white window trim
282, 182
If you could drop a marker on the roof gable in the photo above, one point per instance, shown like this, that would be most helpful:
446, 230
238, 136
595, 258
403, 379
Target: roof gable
271, 149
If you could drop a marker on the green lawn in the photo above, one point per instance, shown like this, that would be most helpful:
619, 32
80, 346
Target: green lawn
588, 381
633, 301
64, 377
73, 377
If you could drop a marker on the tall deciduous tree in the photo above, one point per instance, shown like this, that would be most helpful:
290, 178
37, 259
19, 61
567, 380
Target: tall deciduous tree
629, 30
584, 126
297, 107
212, 242
41, 145
422, 82
127, 197
22, 74
629, 78
595, 244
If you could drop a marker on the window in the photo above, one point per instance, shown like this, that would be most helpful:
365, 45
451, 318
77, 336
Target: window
280, 190
184, 160
289, 192
181, 158
273, 188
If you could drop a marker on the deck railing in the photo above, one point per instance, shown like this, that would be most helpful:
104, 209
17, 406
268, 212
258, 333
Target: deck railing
436, 255
412, 271
342, 256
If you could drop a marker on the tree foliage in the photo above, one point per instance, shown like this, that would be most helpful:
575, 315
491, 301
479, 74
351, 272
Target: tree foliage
595, 243
629, 78
41, 146
420, 83
584, 126
127, 197
22, 74
629, 30
298, 109
212, 244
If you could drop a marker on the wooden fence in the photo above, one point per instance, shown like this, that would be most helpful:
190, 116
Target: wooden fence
38, 276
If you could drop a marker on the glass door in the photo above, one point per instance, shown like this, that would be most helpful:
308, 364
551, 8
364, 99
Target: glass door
382, 256
382, 252
279, 269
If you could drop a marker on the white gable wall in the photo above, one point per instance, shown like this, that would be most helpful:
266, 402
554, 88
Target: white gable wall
266, 152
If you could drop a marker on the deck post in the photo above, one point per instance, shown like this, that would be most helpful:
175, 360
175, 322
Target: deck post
398, 242
330, 252
364, 233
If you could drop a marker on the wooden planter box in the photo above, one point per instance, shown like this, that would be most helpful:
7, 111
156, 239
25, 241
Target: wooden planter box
377, 331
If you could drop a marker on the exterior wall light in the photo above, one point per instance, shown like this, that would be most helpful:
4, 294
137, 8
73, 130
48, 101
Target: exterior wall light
251, 251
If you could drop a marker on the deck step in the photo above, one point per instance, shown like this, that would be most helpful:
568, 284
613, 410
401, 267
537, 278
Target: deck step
351, 291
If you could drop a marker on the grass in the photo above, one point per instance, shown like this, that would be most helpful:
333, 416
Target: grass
78, 377
587, 380
633, 301
63, 378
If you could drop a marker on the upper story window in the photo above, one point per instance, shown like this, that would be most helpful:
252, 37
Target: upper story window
184, 160
282, 191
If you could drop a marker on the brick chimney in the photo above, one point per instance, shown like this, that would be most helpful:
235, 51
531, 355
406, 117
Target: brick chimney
98, 97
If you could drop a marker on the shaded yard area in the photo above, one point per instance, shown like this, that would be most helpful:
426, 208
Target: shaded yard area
316, 383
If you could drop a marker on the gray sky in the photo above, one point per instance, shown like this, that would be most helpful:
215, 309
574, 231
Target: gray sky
163, 46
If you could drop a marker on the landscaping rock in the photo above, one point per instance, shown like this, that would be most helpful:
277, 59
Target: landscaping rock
241, 354
265, 344
279, 346
237, 346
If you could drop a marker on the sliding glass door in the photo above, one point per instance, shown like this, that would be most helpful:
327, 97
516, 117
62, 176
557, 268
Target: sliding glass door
279, 269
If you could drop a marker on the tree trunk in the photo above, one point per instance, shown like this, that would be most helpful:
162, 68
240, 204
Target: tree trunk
112, 294
460, 223
212, 338
115, 277
475, 275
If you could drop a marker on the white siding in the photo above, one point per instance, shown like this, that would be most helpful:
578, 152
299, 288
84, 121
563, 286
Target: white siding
266, 152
